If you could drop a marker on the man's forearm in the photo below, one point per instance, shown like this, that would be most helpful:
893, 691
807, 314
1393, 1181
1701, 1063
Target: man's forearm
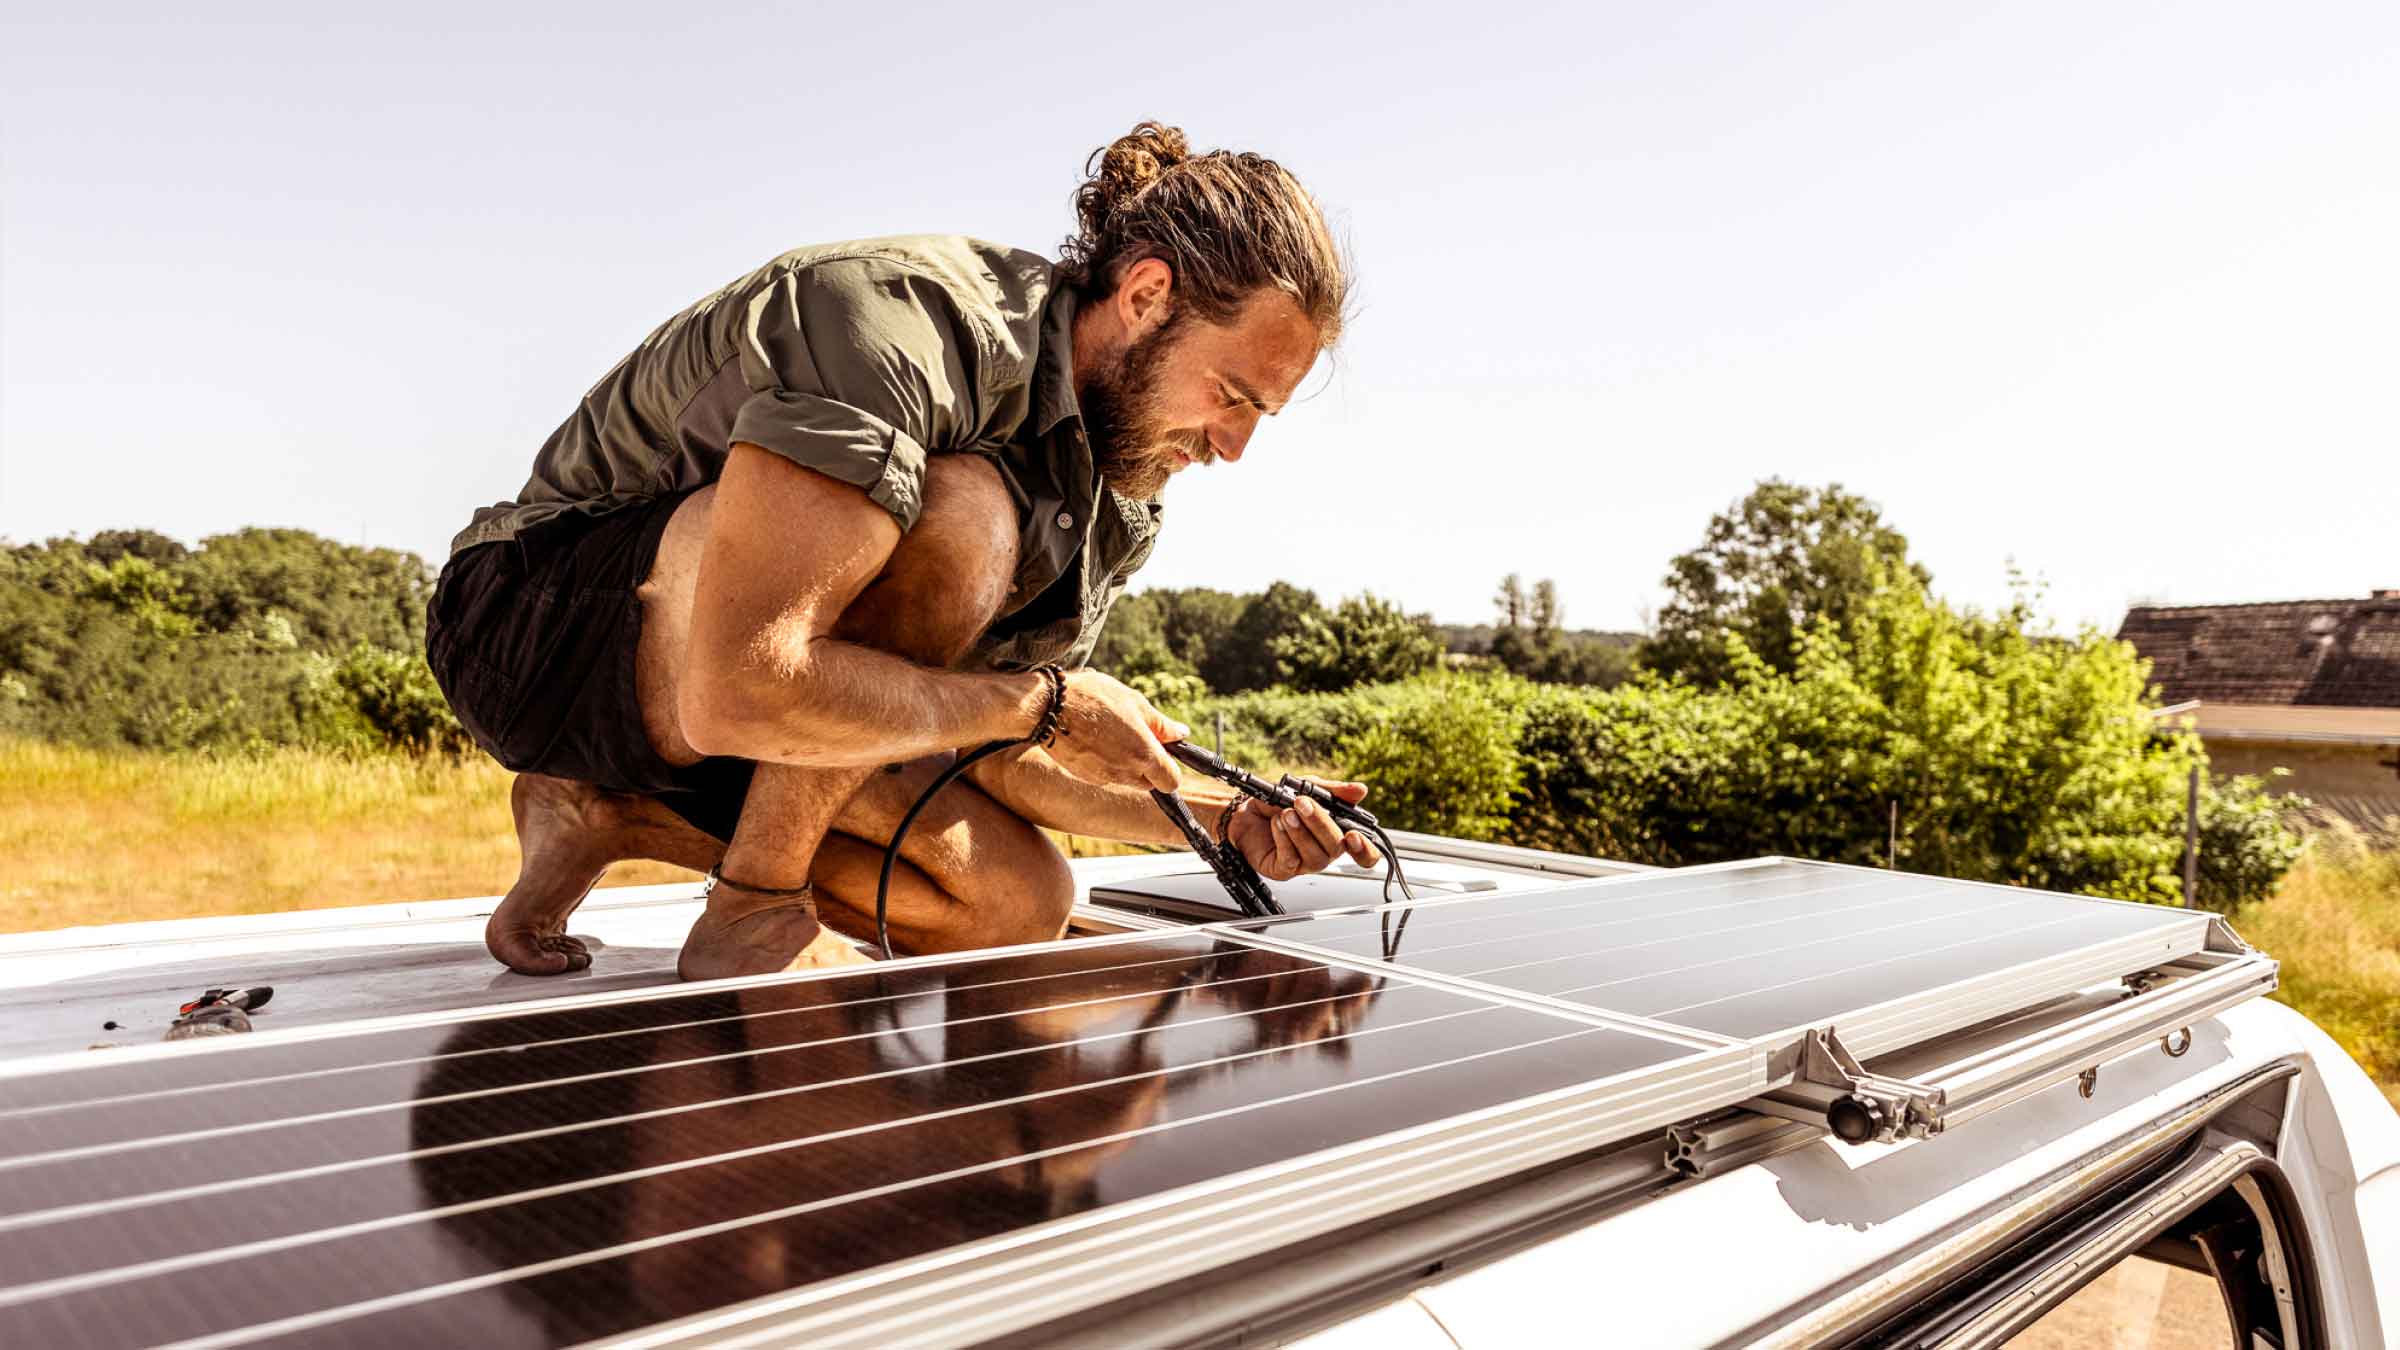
846, 705
1031, 784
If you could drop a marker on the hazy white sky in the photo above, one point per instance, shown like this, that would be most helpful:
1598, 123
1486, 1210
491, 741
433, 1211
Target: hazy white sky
2109, 289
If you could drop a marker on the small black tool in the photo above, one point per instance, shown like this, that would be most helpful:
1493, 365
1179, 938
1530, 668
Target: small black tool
246, 1000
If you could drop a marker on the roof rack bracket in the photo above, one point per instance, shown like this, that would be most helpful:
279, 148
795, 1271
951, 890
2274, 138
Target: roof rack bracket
1832, 1089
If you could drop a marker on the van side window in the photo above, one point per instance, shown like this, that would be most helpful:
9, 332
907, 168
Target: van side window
2223, 1275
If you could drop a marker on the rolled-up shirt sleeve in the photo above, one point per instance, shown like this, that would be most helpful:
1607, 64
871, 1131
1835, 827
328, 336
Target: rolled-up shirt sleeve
858, 368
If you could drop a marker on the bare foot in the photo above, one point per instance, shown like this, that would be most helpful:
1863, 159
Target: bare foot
567, 835
787, 937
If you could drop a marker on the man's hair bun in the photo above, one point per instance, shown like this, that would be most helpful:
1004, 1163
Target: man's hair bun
1117, 172
1229, 223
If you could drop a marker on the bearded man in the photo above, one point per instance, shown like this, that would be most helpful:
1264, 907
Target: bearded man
864, 507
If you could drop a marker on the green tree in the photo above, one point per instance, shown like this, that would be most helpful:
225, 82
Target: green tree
1133, 640
335, 594
133, 639
1782, 558
1366, 640
1245, 657
2011, 755
1530, 639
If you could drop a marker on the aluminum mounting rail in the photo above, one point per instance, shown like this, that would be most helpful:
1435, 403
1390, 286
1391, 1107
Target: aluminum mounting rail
1832, 1092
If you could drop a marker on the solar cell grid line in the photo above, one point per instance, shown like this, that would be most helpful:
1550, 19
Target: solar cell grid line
140, 1073
315, 1057
471, 1106
986, 1114
581, 1286
36, 1086
679, 1135
1012, 1289
94, 1195
1013, 1280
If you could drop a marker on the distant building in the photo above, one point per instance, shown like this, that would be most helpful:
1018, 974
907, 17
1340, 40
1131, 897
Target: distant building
2312, 686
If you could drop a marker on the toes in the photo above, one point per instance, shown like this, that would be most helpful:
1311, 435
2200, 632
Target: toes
540, 954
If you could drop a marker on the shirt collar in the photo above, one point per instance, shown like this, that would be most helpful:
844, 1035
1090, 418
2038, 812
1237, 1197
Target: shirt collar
1054, 365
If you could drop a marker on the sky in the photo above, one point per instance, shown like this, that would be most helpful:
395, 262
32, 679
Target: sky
2107, 294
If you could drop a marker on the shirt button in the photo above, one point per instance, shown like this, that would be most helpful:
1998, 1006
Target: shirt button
1066, 520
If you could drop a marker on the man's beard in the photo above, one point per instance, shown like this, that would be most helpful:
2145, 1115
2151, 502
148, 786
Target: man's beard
1121, 416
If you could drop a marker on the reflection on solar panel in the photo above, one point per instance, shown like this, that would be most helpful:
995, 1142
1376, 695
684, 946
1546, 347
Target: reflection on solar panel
1764, 951
559, 1174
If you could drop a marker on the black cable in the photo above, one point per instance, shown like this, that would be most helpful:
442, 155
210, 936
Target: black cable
891, 851
1392, 873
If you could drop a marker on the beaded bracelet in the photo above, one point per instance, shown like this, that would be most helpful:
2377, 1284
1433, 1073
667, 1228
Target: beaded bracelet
1225, 818
1048, 729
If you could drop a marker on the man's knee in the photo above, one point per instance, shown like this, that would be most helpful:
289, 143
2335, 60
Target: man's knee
946, 580
1025, 897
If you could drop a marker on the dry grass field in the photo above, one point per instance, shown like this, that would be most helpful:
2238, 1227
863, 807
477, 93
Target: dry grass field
2335, 925
109, 837
115, 836
112, 837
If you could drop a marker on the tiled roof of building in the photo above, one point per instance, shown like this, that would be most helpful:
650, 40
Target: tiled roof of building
2332, 653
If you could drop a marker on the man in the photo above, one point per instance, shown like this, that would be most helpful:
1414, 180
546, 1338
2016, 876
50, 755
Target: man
855, 512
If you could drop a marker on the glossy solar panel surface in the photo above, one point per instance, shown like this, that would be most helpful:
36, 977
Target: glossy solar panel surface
553, 1175
1760, 950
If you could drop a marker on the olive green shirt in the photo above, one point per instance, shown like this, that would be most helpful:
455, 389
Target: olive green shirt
859, 360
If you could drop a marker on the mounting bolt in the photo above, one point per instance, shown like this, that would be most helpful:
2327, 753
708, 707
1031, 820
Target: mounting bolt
2176, 1048
2087, 1081
1854, 1119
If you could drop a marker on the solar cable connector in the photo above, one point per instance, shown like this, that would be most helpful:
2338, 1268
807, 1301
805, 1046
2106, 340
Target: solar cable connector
1285, 793
1234, 872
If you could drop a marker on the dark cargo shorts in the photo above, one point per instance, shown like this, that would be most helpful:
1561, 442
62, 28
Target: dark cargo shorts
533, 639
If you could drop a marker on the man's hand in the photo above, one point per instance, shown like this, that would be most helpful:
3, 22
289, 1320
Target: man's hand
1285, 844
1112, 736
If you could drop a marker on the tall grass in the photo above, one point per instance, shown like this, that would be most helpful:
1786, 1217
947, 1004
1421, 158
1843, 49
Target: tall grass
90, 837
2335, 926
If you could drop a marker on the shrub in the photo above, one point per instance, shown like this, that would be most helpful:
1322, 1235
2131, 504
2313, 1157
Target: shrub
1442, 758
373, 698
2248, 841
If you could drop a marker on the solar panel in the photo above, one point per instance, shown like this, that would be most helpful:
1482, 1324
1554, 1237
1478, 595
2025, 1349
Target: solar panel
1763, 951
550, 1175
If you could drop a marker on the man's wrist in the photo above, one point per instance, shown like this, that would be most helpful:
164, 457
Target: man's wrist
1030, 698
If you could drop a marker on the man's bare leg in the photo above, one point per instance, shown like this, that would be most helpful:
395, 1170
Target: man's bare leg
567, 835
940, 590
972, 873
